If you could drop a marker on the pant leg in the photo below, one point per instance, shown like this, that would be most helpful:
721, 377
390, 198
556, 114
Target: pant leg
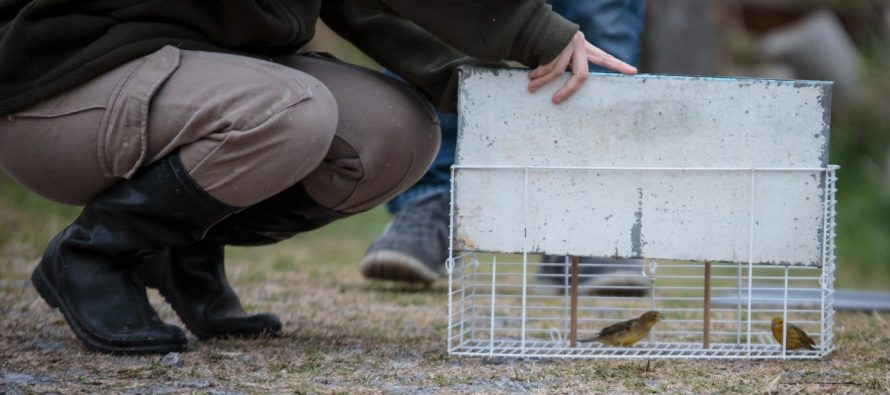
615, 26
438, 178
70, 147
246, 129
387, 136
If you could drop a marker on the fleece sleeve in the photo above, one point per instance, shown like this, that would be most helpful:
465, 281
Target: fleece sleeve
424, 41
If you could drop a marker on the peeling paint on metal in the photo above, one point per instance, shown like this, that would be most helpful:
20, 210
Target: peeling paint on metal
466, 243
636, 231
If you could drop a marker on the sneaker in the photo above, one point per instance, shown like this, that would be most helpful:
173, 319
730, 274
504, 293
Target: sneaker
597, 276
414, 245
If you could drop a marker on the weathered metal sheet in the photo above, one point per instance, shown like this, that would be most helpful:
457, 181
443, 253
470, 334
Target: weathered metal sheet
631, 166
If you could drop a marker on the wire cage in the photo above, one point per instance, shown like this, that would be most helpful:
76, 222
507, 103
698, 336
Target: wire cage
726, 207
517, 305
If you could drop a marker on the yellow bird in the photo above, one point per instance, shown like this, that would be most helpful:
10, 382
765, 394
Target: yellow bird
797, 338
627, 333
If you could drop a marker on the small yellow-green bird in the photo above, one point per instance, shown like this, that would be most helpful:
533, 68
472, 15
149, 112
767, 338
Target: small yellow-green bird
627, 333
797, 338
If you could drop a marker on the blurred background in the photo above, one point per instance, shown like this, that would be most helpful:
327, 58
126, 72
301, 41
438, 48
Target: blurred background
845, 41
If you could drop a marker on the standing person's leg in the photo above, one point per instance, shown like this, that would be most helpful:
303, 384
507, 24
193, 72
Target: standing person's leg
616, 27
414, 245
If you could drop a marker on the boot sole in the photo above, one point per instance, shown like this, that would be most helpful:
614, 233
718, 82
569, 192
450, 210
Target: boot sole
48, 292
397, 266
631, 285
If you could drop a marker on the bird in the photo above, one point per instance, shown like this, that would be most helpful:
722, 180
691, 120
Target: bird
797, 338
627, 333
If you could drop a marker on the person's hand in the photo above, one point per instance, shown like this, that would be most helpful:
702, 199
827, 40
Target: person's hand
578, 52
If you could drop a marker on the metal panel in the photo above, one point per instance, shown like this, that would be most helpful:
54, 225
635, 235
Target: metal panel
643, 166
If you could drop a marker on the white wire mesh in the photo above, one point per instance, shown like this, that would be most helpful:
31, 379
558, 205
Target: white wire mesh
505, 305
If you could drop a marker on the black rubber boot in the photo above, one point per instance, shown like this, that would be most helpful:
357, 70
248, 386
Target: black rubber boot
275, 219
193, 278
89, 269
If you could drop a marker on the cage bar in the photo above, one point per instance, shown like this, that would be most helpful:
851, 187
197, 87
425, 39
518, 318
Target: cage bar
493, 320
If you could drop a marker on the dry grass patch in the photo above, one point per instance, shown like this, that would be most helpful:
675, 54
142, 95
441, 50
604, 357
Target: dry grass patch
344, 334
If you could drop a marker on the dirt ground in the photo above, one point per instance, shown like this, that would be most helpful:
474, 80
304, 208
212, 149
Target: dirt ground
344, 334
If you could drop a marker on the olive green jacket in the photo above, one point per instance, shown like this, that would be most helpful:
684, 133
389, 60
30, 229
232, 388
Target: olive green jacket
49, 46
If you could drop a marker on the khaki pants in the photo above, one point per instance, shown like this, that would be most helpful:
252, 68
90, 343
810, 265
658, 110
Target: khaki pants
245, 129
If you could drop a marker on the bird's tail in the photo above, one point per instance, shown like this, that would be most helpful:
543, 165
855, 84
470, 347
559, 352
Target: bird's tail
589, 339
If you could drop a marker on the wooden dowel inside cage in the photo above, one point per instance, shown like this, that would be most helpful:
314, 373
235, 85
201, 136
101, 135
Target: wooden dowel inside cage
706, 342
573, 326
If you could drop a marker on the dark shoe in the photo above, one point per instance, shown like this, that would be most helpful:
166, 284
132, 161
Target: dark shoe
597, 276
414, 245
88, 270
193, 280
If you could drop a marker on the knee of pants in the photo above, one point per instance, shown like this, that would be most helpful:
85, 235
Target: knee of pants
297, 140
249, 161
381, 149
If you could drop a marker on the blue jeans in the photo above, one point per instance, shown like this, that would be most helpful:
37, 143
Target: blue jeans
615, 26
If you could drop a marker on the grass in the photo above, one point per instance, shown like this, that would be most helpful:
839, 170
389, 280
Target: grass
343, 334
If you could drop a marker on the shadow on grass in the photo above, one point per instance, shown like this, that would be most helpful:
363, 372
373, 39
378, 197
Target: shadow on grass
438, 288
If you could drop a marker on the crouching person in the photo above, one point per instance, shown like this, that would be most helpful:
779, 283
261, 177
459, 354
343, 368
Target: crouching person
182, 127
